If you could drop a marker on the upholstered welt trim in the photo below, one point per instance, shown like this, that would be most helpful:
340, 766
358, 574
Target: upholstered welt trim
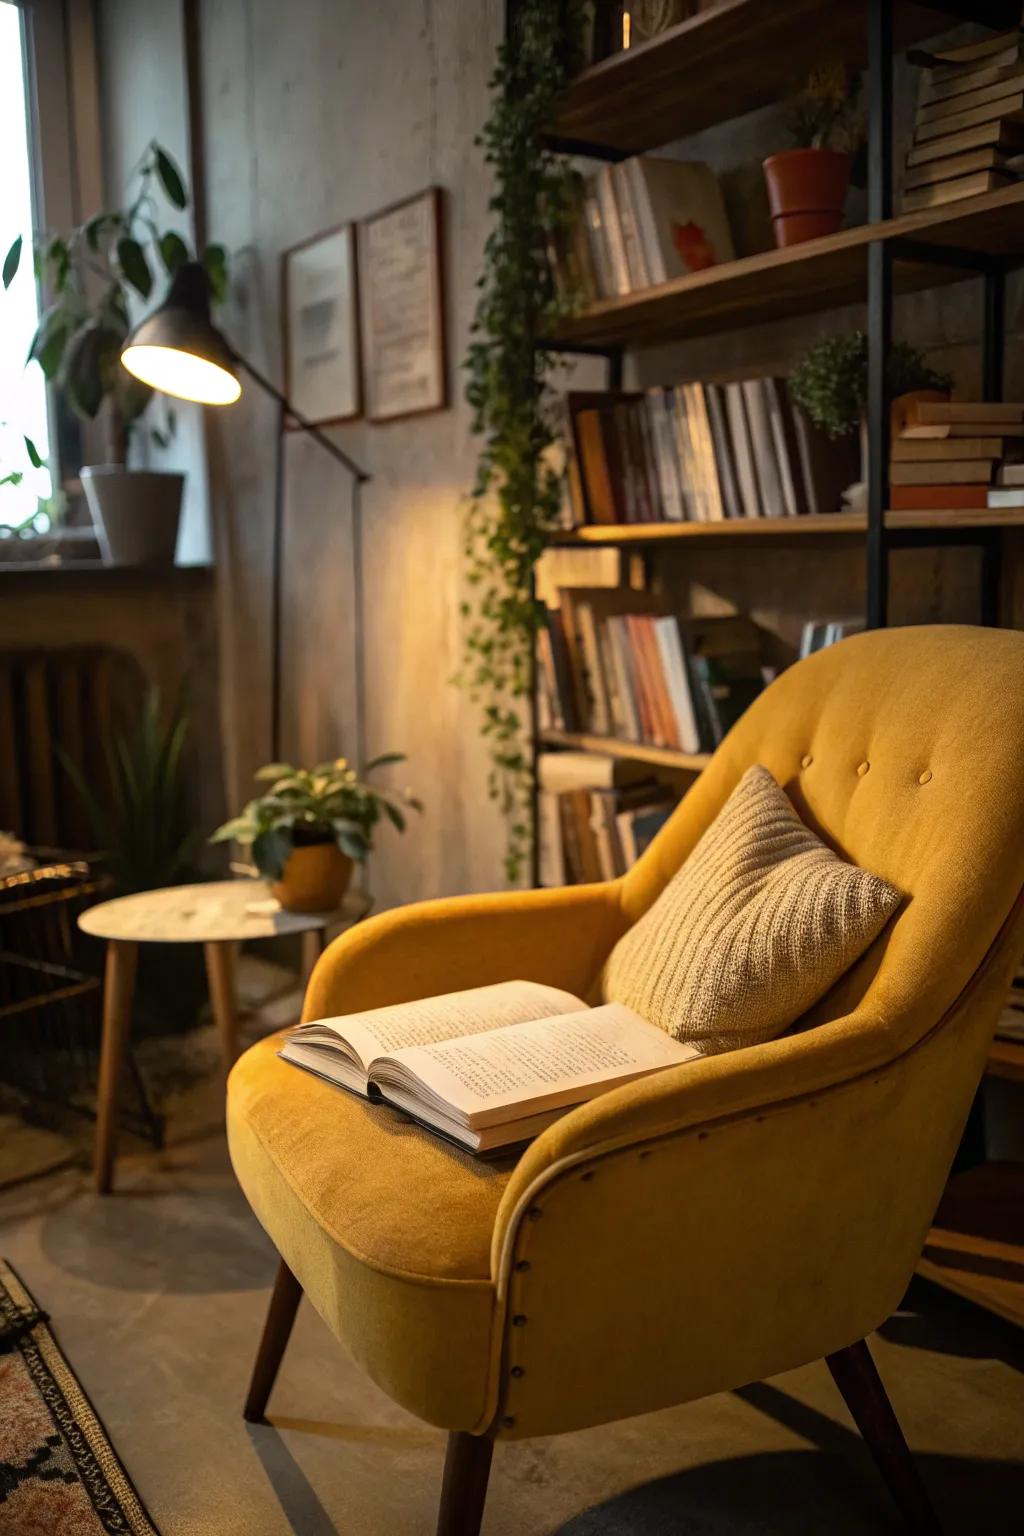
501, 1261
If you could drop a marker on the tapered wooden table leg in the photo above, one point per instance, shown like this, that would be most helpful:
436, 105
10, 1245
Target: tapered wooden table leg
118, 993
220, 973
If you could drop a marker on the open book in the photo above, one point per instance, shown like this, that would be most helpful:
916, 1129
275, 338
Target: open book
489, 1067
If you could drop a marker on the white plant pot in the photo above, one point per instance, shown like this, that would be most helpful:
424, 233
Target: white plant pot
136, 512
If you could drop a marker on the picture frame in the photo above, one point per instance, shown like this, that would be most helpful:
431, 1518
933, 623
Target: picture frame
402, 308
320, 319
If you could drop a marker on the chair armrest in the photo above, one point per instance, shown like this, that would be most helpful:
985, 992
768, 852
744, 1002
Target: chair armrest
556, 936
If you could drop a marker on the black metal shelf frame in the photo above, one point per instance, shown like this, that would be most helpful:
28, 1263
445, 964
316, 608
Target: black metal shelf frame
882, 254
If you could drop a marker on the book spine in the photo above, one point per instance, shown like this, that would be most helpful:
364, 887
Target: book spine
635, 262
612, 229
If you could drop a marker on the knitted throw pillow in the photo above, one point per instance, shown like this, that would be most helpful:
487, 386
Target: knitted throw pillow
759, 923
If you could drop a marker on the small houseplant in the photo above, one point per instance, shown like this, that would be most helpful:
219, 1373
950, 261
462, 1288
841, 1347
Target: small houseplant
830, 381
94, 273
310, 825
807, 185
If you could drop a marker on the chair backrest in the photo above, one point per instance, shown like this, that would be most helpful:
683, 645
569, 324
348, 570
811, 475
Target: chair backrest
786, 1190
904, 749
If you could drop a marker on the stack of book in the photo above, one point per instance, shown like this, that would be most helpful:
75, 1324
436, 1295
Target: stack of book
641, 223
617, 663
596, 815
700, 453
959, 454
968, 134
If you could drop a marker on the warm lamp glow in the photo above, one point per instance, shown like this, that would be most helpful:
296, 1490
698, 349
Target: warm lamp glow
180, 373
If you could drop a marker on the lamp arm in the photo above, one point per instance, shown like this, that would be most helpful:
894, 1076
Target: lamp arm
307, 426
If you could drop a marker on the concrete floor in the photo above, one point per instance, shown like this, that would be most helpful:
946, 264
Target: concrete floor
158, 1293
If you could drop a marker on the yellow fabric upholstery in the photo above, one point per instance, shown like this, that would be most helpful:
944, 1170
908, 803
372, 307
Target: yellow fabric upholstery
742, 1214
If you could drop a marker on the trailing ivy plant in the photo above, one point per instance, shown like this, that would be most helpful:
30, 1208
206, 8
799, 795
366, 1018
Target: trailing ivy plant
517, 492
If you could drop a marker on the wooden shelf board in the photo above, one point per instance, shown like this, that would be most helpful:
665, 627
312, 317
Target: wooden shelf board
800, 279
720, 64
827, 524
976, 1247
635, 751
1006, 1059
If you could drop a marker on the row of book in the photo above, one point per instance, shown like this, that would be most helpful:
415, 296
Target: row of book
969, 126
700, 453
616, 663
639, 224
959, 454
596, 815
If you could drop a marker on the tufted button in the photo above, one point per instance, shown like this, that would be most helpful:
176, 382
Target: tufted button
806, 760
862, 769
926, 777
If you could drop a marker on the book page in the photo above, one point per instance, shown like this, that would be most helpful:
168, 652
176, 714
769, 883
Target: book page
524, 1067
433, 1019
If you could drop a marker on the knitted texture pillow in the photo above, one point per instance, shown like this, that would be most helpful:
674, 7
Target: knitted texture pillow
759, 923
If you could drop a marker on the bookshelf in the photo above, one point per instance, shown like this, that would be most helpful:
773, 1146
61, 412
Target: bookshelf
803, 279
673, 86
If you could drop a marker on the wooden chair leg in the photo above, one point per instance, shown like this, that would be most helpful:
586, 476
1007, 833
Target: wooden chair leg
467, 1466
855, 1374
284, 1303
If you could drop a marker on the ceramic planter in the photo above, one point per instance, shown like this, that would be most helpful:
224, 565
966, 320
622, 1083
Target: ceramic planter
135, 511
806, 193
315, 878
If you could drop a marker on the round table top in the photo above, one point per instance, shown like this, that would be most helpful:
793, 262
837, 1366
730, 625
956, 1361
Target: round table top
215, 911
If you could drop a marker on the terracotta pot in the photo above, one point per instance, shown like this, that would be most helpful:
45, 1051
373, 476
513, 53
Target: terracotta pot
315, 878
806, 193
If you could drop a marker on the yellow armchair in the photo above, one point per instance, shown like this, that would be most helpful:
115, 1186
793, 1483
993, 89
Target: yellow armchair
722, 1221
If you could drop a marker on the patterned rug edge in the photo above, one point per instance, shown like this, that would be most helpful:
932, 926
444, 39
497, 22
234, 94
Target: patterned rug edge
114, 1498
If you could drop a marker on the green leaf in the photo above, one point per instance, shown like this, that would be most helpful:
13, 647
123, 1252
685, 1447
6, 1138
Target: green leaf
50, 339
170, 178
12, 261
270, 852
354, 844
132, 260
385, 757
394, 815
173, 251
35, 458
239, 830
215, 261
83, 381
271, 771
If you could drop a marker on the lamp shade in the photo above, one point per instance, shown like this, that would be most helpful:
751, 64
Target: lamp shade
178, 349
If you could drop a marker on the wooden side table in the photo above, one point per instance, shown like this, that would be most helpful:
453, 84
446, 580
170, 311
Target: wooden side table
217, 915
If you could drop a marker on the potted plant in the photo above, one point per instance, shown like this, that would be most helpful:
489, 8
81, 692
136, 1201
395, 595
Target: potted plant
830, 382
93, 272
807, 185
311, 825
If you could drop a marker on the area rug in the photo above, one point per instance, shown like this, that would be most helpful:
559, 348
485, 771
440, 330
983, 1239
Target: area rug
59, 1474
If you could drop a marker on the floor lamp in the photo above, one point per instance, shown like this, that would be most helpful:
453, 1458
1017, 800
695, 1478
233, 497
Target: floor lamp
179, 351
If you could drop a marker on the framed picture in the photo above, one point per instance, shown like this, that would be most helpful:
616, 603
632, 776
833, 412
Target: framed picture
319, 302
401, 294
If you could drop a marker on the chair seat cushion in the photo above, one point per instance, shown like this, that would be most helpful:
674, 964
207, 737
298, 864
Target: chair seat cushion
386, 1227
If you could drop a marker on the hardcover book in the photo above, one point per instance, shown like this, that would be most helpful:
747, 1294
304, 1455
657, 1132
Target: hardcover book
490, 1067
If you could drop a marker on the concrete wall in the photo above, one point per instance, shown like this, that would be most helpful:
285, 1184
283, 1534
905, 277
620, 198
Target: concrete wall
325, 111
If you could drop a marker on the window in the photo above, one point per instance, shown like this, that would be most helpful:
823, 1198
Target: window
23, 402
